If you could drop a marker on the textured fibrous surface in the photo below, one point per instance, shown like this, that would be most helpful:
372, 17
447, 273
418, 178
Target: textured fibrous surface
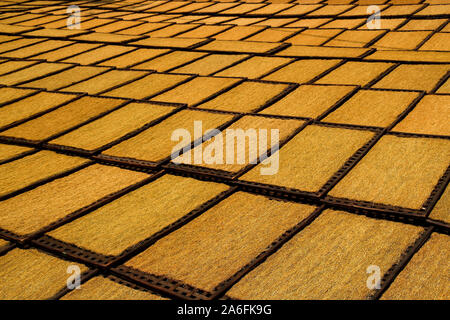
64, 118
105, 81
245, 97
100, 288
3, 243
442, 209
146, 86
413, 77
106, 153
65, 78
328, 259
394, 167
170, 61
356, 73
69, 193
430, 116
308, 101
263, 129
426, 276
113, 126
138, 215
312, 157
373, 108
10, 94
301, 71
196, 90
34, 168
9, 151
43, 275
210, 64
30, 106
154, 143
254, 68
221, 241
33, 72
